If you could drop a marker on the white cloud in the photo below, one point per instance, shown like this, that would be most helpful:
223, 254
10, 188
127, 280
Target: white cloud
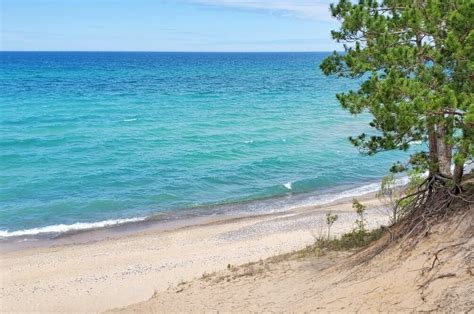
313, 9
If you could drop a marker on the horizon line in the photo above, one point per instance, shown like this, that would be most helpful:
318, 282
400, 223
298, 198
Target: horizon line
171, 51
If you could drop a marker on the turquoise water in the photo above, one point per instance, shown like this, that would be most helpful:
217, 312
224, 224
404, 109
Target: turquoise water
94, 137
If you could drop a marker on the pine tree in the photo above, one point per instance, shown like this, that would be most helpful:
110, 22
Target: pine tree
415, 59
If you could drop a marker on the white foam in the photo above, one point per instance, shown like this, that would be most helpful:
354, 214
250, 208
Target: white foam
288, 185
355, 192
65, 228
359, 191
129, 120
248, 142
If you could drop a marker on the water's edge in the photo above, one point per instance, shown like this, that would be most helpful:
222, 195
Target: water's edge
94, 231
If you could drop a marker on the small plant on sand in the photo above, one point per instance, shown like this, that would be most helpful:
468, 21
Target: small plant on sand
207, 276
330, 220
360, 221
348, 241
359, 237
391, 193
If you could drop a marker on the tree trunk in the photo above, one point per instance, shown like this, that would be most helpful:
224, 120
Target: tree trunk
433, 154
444, 151
458, 173
459, 165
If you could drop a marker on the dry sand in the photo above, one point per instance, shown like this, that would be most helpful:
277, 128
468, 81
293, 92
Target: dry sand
117, 272
436, 276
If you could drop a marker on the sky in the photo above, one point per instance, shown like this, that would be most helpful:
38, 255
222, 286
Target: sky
166, 25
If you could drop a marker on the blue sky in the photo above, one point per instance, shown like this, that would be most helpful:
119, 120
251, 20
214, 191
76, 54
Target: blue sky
167, 25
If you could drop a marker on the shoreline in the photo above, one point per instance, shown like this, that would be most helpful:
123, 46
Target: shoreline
95, 231
117, 271
153, 224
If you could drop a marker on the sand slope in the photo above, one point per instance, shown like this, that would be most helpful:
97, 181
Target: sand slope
395, 280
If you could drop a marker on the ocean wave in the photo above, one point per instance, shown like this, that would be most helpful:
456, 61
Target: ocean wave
288, 185
61, 228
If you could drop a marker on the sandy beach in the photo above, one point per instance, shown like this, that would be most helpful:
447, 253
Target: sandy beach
115, 272
433, 276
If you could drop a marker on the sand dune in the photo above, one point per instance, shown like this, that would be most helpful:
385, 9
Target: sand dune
397, 280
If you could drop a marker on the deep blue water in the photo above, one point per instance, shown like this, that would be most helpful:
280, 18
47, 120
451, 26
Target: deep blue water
88, 137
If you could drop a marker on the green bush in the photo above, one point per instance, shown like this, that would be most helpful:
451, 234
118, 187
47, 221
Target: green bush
351, 240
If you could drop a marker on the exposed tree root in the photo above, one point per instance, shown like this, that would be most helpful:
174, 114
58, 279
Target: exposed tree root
436, 258
434, 200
